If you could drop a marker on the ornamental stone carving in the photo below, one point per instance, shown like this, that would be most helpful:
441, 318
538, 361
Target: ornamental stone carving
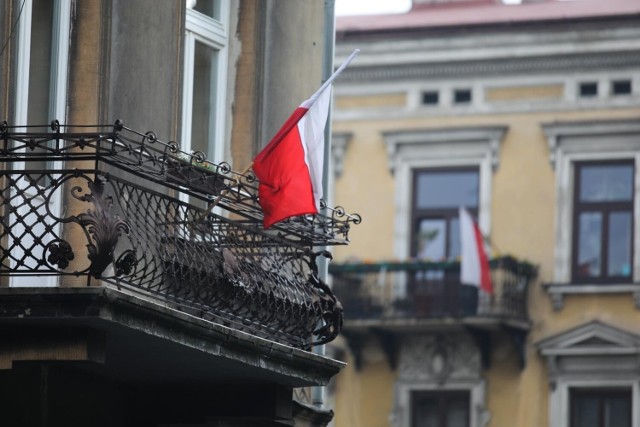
438, 358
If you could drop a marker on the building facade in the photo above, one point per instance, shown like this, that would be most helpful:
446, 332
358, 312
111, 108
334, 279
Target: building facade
137, 285
528, 116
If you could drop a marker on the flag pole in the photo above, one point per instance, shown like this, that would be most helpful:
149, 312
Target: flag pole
333, 76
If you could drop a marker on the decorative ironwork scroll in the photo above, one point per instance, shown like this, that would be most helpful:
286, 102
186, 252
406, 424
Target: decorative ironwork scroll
143, 215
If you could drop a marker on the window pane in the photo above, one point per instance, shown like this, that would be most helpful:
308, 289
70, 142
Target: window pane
617, 412
431, 239
211, 8
40, 74
458, 413
454, 238
585, 412
589, 238
620, 232
204, 77
425, 413
588, 89
602, 183
447, 189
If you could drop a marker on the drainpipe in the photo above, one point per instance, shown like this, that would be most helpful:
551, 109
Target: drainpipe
327, 70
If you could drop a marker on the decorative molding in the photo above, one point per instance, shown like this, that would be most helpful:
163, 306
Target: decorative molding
557, 292
438, 358
339, 144
575, 137
460, 142
580, 62
439, 362
593, 355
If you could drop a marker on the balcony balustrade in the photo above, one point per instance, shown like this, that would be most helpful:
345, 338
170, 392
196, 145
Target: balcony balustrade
108, 206
395, 291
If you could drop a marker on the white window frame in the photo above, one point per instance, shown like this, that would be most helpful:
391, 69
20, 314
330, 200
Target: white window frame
213, 33
59, 55
57, 101
571, 142
437, 148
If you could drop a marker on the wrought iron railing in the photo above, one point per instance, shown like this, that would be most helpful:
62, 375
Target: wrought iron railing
393, 290
109, 204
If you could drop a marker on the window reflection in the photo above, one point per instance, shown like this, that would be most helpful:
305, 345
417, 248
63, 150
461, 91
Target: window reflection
438, 195
601, 183
589, 244
603, 215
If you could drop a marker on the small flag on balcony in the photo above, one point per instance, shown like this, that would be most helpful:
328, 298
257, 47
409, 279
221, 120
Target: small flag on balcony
290, 167
474, 265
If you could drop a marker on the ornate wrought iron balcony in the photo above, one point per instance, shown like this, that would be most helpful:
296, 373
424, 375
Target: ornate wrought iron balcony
111, 206
395, 291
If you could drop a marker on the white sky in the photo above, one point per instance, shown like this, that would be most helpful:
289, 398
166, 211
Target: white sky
368, 7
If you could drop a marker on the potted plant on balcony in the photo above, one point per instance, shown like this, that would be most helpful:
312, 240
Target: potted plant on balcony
193, 171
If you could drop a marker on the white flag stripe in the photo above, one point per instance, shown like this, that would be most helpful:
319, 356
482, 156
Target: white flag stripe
470, 269
311, 129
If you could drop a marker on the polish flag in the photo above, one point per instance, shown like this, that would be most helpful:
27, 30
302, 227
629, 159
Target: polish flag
290, 167
474, 266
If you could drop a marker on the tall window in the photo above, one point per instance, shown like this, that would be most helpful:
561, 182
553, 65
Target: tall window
603, 222
438, 195
440, 409
43, 40
205, 63
41, 90
600, 408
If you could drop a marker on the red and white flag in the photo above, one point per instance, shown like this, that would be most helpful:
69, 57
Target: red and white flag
290, 167
474, 265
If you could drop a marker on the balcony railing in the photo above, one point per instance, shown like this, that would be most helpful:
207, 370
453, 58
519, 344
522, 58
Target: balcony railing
109, 205
430, 290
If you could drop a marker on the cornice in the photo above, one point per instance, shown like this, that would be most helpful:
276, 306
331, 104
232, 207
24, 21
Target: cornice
540, 64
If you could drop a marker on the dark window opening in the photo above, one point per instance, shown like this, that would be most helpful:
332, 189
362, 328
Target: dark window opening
600, 407
603, 222
621, 87
440, 409
430, 98
462, 96
588, 89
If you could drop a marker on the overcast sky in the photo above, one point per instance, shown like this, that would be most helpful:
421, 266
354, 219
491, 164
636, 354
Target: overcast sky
365, 7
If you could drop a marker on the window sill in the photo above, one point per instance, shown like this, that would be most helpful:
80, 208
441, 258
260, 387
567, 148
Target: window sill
557, 291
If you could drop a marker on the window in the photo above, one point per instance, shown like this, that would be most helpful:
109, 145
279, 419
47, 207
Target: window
593, 372
205, 77
462, 149
621, 87
591, 216
603, 221
43, 39
430, 97
40, 96
440, 409
588, 89
600, 407
438, 195
462, 96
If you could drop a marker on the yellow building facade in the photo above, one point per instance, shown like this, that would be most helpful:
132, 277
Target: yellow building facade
539, 104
